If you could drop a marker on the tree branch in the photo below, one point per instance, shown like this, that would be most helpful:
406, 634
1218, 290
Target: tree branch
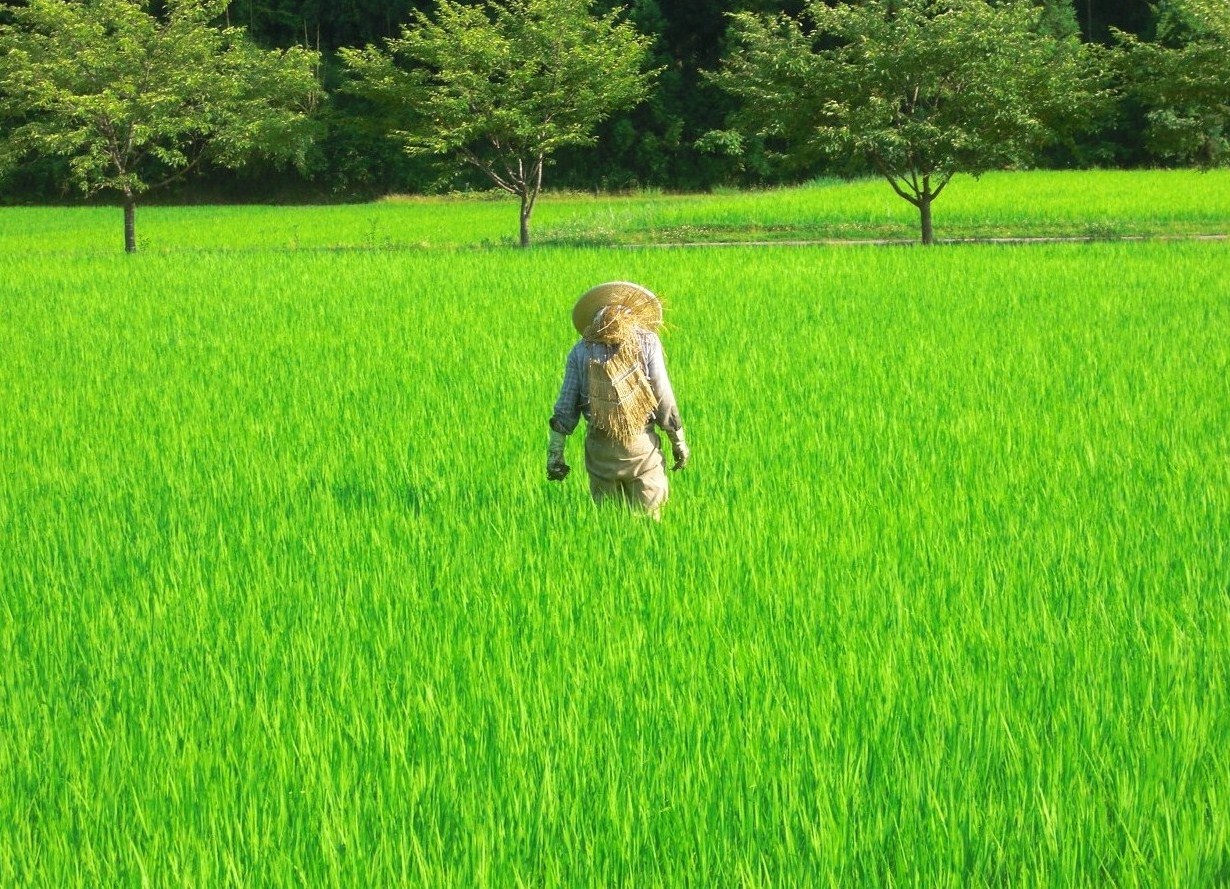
474, 160
892, 180
947, 177
107, 128
536, 178
183, 171
516, 178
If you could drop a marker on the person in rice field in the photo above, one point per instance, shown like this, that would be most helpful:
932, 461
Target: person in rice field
616, 378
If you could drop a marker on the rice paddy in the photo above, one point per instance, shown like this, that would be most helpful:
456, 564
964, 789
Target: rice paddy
1090, 204
285, 598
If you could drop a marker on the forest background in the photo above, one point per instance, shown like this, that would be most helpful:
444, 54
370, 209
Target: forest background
653, 145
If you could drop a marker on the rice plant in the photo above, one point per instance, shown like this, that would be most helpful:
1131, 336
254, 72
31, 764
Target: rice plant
1086, 204
943, 599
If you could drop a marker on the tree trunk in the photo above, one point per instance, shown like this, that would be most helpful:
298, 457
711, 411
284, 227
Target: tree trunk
527, 207
130, 224
924, 212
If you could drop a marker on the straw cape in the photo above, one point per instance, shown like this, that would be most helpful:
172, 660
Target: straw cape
620, 396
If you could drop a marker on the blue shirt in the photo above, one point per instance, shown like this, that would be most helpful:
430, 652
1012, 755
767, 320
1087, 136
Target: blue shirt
573, 401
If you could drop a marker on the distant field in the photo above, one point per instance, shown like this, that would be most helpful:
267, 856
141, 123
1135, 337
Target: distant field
1035, 204
942, 601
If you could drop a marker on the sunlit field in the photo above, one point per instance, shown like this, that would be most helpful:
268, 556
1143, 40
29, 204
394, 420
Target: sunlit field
1096, 205
285, 599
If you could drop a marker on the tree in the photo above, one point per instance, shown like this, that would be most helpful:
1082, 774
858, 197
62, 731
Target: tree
1182, 79
1212, 15
918, 90
502, 86
136, 101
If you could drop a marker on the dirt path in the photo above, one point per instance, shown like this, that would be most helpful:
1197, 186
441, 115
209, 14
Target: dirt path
892, 242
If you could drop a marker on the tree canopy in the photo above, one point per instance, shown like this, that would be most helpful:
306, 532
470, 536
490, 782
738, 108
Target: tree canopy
1182, 79
503, 86
136, 100
1168, 107
918, 90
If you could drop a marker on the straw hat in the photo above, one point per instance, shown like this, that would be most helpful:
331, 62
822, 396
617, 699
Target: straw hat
644, 306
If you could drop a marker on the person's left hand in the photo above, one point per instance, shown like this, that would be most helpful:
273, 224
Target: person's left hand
680, 451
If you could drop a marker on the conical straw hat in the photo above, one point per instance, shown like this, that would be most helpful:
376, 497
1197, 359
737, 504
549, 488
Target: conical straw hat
645, 307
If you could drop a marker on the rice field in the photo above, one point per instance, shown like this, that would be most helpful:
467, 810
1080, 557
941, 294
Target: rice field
1088, 204
943, 599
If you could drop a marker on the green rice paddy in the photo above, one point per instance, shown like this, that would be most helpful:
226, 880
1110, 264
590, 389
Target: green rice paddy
285, 598
1090, 204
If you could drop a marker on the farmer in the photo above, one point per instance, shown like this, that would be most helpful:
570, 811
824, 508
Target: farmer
616, 377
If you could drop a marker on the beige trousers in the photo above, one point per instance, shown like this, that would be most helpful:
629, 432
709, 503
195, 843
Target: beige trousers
633, 474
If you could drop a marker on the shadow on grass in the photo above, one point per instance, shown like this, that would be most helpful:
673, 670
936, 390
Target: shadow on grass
356, 496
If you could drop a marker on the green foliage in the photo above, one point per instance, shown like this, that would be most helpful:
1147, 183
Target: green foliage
1182, 79
1058, 18
1210, 17
136, 100
919, 90
652, 144
503, 86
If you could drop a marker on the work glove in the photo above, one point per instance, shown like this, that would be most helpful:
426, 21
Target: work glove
557, 469
679, 449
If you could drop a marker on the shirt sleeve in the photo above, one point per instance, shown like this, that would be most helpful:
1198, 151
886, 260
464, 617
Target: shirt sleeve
667, 413
567, 411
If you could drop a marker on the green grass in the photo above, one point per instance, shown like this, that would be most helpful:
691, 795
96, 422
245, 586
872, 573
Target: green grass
1101, 205
943, 600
